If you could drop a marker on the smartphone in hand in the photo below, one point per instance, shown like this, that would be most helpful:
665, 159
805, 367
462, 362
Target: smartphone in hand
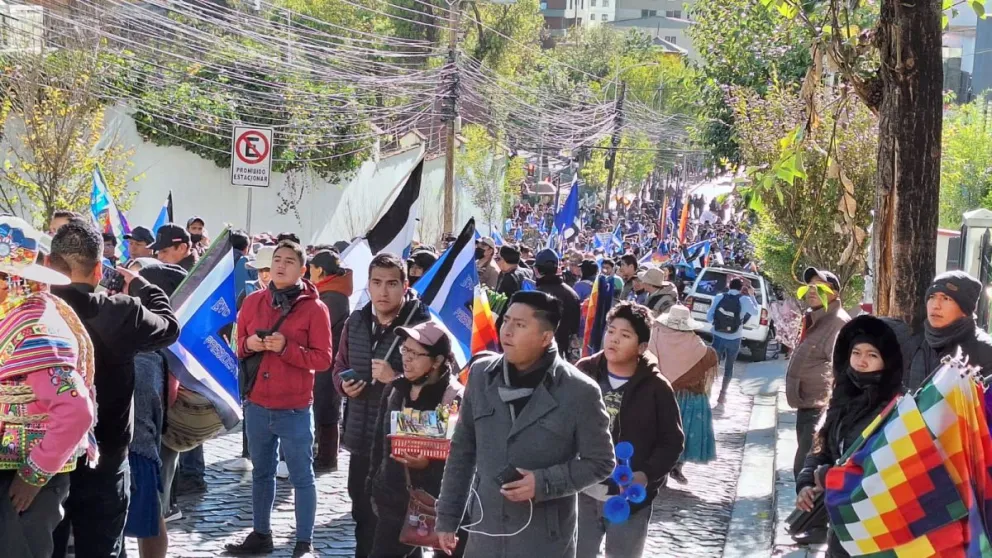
112, 280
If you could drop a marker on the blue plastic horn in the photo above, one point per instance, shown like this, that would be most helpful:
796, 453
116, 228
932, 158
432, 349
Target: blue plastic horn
622, 475
624, 451
636, 493
616, 509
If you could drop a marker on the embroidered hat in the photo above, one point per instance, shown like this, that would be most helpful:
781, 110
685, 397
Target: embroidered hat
678, 318
20, 244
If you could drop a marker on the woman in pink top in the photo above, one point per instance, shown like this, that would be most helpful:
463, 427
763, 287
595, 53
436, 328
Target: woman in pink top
47, 405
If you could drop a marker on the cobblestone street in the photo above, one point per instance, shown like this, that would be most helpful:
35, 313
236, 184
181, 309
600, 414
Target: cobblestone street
689, 520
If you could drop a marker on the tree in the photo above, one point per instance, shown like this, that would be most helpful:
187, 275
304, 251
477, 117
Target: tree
57, 136
966, 163
742, 44
483, 166
813, 193
892, 61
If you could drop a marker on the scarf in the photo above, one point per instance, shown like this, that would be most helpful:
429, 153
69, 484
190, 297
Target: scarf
283, 299
677, 351
938, 338
509, 393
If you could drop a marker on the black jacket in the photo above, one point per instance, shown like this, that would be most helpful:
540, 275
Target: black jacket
570, 312
359, 345
649, 419
386, 481
508, 283
975, 344
120, 327
850, 411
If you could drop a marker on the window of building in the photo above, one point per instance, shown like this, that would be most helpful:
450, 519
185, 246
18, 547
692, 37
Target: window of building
605, 18
677, 14
592, 3
606, 3
570, 4
649, 13
671, 39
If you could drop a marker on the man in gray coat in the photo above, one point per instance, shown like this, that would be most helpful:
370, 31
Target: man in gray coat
530, 410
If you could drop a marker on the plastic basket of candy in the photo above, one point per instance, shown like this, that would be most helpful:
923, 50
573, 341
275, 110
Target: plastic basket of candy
431, 448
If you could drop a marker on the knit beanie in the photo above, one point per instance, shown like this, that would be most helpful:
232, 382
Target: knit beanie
960, 287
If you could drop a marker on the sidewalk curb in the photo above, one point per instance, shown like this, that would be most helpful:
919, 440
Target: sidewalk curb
752, 518
785, 486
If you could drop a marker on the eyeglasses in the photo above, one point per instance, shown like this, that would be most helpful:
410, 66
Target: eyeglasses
408, 353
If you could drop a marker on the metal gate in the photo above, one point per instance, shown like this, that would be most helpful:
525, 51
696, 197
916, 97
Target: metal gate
985, 276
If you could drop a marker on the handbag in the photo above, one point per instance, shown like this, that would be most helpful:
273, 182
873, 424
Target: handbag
421, 518
248, 367
800, 521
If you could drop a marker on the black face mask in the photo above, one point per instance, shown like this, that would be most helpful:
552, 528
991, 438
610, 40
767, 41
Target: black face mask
195, 238
414, 278
480, 253
864, 380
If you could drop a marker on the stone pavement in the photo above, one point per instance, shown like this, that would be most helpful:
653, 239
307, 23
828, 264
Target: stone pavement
785, 485
689, 520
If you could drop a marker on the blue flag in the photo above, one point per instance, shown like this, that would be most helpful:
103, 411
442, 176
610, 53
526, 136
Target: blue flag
164, 215
567, 219
202, 359
497, 238
617, 239
448, 288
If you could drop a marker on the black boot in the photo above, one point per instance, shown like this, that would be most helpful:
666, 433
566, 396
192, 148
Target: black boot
326, 460
256, 543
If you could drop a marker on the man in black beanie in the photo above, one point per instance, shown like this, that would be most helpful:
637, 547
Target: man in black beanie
511, 275
951, 302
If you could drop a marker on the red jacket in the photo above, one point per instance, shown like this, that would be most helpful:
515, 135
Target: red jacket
285, 380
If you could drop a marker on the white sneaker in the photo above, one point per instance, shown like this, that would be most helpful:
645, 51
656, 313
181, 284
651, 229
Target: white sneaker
282, 470
239, 464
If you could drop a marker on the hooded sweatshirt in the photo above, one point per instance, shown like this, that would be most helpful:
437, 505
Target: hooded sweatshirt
285, 379
334, 293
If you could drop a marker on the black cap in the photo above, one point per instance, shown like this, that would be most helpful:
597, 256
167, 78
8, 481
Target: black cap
141, 234
825, 276
109, 237
168, 235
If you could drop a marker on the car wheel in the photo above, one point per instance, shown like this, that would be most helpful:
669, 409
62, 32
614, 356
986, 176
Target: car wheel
759, 351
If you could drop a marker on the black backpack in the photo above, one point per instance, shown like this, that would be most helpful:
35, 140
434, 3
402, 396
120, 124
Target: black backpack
727, 316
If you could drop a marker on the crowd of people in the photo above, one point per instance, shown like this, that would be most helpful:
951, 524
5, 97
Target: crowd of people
316, 376
86, 388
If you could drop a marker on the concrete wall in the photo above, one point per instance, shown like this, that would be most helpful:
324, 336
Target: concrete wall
325, 213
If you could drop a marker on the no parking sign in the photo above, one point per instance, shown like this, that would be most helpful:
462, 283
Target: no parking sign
251, 156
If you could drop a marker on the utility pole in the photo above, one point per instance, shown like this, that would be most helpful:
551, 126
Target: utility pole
450, 116
611, 159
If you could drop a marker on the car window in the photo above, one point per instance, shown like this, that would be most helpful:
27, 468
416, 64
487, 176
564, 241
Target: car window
714, 282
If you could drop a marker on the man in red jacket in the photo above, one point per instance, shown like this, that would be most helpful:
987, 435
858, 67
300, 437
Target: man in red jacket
279, 404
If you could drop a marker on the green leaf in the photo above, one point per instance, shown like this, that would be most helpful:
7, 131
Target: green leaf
979, 7
778, 193
946, 4
802, 292
755, 204
944, 21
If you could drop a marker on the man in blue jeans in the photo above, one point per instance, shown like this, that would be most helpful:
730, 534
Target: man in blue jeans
728, 313
287, 330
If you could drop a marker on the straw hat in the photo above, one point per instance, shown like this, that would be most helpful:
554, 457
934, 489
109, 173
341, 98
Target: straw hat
678, 318
20, 244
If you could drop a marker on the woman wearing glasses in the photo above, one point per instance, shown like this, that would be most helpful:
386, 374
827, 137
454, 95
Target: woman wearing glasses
428, 380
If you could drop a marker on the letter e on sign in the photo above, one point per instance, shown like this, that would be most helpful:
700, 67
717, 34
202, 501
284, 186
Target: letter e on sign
251, 156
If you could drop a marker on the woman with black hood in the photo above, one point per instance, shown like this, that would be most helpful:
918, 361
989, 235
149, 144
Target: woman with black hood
867, 376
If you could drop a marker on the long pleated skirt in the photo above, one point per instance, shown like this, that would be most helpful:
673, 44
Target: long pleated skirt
697, 424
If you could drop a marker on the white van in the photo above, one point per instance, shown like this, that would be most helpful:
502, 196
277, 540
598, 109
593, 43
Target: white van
759, 331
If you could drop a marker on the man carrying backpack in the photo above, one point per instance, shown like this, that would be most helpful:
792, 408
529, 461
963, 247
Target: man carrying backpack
728, 313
